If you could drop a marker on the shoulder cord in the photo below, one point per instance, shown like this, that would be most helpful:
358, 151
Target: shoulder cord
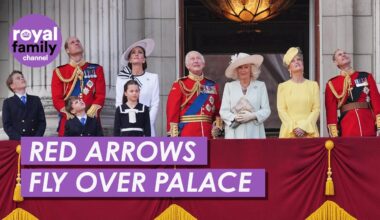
346, 87
78, 73
189, 93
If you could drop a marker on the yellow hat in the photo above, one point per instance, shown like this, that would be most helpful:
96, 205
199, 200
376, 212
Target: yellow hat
290, 54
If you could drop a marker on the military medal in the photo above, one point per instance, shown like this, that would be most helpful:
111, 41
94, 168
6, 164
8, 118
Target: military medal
89, 84
208, 107
366, 91
86, 90
361, 82
211, 99
212, 90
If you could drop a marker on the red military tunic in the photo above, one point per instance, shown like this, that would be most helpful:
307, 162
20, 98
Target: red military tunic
183, 94
89, 83
358, 118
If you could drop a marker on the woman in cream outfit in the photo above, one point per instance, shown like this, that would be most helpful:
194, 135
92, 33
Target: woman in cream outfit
245, 104
297, 100
133, 63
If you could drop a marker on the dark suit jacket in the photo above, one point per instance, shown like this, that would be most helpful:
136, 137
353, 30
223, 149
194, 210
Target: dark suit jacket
21, 119
74, 127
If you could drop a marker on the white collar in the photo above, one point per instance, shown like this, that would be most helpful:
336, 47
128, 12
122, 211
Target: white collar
83, 116
20, 95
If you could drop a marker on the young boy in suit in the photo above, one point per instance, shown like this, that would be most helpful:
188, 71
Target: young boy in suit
23, 114
80, 125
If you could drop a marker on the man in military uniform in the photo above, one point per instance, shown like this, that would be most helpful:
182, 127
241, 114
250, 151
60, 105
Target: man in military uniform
23, 114
357, 98
193, 102
77, 78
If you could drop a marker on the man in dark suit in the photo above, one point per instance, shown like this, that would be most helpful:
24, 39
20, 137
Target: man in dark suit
80, 125
23, 114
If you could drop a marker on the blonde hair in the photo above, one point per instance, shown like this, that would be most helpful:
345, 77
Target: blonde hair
255, 71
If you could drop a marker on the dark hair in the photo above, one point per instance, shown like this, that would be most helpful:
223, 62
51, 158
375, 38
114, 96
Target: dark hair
66, 44
69, 103
144, 65
130, 82
10, 78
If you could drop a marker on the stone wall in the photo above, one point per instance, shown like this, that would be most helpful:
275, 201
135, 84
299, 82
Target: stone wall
349, 25
155, 19
106, 28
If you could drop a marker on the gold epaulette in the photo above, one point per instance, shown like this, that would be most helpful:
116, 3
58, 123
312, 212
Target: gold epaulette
78, 73
58, 72
182, 78
189, 93
346, 87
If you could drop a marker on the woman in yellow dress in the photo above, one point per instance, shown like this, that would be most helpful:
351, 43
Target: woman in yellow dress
297, 100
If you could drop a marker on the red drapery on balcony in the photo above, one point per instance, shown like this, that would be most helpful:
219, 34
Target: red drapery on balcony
296, 177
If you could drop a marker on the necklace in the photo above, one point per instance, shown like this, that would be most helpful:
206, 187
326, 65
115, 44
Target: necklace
244, 88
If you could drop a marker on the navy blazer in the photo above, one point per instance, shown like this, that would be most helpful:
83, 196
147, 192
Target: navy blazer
21, 119
74, 127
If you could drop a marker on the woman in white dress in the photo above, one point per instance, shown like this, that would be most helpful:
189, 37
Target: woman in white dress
245, 104
133, 66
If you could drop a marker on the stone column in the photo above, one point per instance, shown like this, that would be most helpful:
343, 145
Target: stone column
4, 60
337, 32
97, 23
4, 55
376, 40
155, 19
363, 20
106, 28
352, 26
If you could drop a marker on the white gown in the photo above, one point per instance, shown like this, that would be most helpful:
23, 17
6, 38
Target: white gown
257, 96
149, 92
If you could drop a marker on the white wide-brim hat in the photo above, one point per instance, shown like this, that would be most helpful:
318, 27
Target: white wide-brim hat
242, 59
147, 44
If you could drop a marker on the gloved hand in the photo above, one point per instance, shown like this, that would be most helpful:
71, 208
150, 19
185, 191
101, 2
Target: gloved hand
378, 133
216, 132
67, 114
245, 116
93, 110
299, 132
